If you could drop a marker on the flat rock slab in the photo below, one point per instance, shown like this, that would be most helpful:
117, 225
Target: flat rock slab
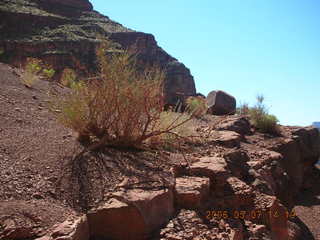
237, 124
215, 168
131, 214
228, 138
191, 192
71, 229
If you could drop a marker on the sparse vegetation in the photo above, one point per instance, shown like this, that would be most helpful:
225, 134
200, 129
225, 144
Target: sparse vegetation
260, 118
48, 73
197, 106
33, 70
243, 109
169, 139
30, 75
123, 106
68, 77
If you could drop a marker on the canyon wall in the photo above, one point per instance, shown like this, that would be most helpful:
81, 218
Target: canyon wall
64, 34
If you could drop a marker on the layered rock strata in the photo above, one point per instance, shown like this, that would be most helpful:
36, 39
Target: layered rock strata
64, 34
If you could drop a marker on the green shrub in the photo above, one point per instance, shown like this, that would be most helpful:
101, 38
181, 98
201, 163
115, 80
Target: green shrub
260, 118
196, 106
68, 77
48, 72
33, 70
122, 106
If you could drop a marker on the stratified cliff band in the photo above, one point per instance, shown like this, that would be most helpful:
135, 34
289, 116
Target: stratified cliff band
63, 33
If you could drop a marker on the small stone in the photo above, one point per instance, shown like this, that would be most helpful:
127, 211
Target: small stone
170, 225
37, 196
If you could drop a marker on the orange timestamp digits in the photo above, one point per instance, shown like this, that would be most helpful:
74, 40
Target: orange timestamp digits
217, 214
246, 214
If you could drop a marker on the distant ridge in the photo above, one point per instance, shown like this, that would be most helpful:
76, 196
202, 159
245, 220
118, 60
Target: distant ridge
316, 124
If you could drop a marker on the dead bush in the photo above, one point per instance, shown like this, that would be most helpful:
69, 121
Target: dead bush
122, 106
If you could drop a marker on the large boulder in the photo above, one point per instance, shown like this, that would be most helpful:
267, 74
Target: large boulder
228, 138
221, 103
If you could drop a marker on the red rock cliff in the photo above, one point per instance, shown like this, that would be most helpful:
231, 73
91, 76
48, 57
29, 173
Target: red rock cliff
63, 33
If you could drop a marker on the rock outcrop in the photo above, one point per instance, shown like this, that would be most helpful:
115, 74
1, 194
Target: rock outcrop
299, 153
131, 214
237, 124
64, 34
192, 192
71, 229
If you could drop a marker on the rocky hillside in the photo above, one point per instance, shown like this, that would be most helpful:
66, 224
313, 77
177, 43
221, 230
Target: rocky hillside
235, 184
64, 34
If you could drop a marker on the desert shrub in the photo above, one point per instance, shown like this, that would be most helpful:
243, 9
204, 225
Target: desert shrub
122, 106
243, 109
48, 73
68, 77
197, 106
33, 70
261, 119
169, 138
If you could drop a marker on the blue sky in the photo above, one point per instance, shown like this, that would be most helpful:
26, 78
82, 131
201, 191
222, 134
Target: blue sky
244, 47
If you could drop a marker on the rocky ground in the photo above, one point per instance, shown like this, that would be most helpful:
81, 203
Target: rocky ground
234, 184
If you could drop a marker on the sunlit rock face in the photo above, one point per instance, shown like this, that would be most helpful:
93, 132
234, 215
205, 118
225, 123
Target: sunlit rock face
64, 33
